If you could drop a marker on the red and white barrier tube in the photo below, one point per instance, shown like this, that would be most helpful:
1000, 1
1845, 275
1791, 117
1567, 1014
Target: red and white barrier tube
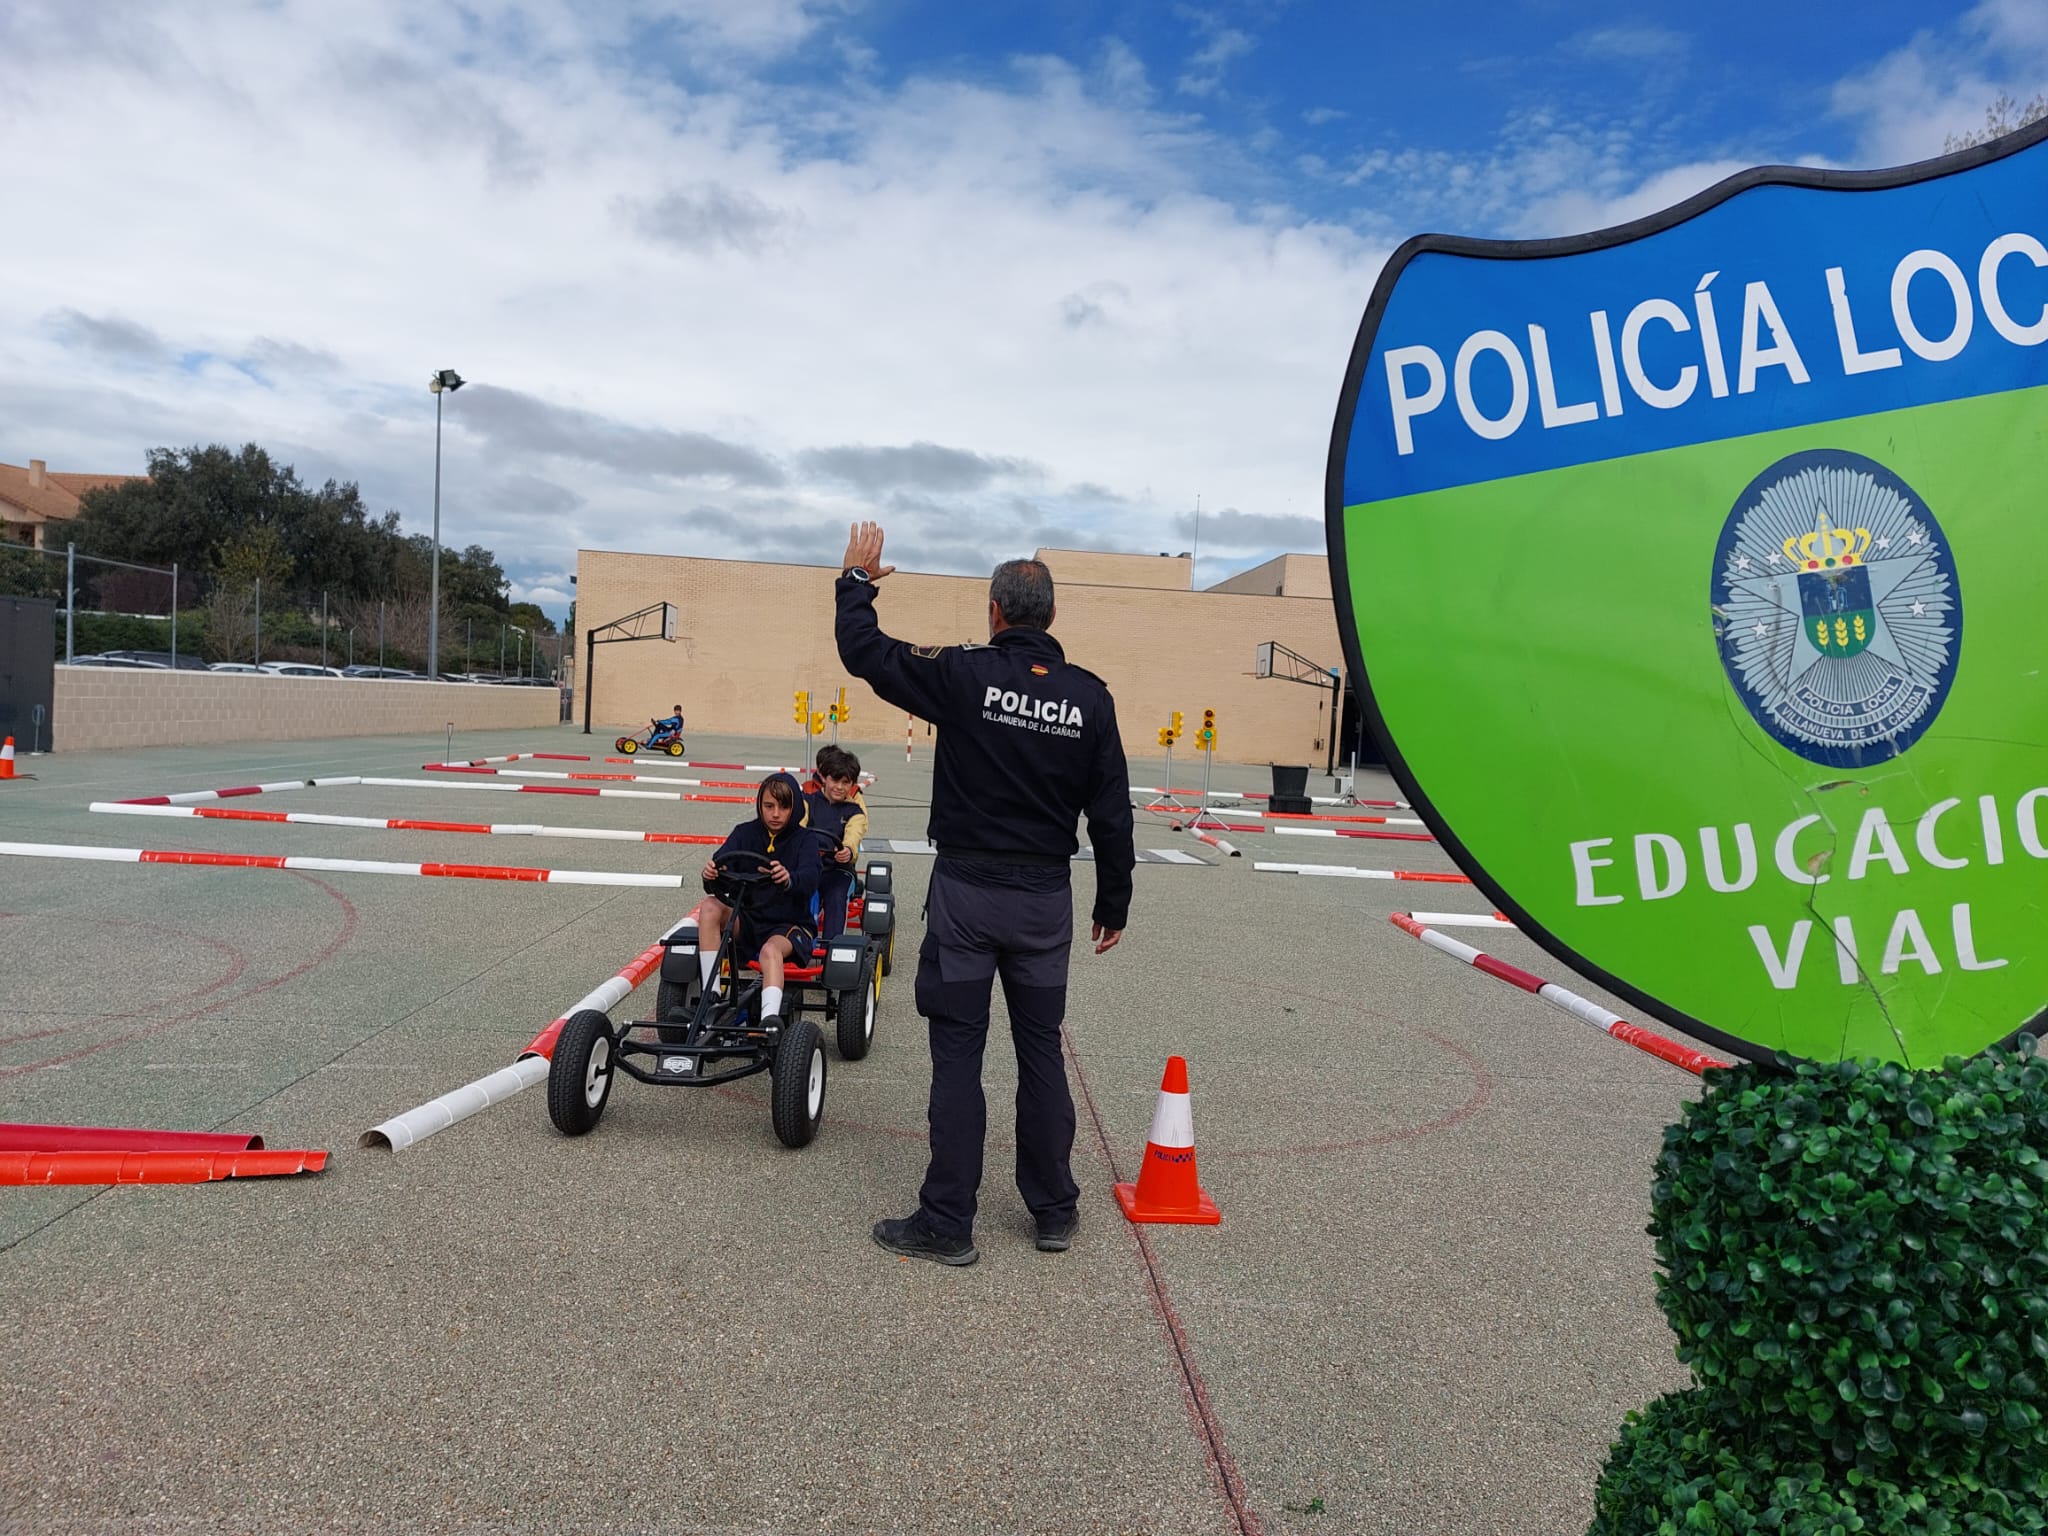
193, 796
549, 789
1215, 842
342, 866
1371, 832
1251, 794
520, 757
1613, 1025
1350, 872
416, 1125
1247, 810
405, 824
908, 722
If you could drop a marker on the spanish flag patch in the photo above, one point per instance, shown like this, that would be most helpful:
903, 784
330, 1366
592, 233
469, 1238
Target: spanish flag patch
1038, 671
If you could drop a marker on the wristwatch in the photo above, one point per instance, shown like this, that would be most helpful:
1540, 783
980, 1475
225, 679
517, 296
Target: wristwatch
859, 573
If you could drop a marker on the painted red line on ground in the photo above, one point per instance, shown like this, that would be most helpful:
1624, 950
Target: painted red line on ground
555, 789
216, 813
483, 872
225, 860
1482, 1090
237, 964
1229, 1481
350, 920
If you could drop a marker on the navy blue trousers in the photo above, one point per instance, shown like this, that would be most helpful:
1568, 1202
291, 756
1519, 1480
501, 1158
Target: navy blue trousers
983, 921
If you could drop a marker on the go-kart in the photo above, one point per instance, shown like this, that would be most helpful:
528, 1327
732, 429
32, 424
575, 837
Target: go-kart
658, 737
704, 1036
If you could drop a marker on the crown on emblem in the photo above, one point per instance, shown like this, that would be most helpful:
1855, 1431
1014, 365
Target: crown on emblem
1828, 547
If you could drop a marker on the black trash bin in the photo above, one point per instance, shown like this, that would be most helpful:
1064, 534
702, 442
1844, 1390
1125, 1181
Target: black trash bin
1290, 789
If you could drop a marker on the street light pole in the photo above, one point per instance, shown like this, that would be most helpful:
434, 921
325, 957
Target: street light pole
446, 381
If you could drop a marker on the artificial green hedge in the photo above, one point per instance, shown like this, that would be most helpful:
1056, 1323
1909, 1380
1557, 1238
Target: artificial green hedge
1854, 1257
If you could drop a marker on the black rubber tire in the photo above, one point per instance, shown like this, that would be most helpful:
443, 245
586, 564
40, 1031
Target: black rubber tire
799, 1056
889, 951
856, 1015
580, 1073
672, 1000
675, 749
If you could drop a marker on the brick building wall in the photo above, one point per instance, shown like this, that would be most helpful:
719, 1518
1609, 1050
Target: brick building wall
749, 634
118, 707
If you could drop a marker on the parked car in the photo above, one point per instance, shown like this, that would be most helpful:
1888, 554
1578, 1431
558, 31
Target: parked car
185, 661
236, 666
299, 669
383, 672
117, 661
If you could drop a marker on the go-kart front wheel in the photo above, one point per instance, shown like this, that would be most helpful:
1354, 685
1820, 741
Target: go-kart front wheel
627, 745
580, 1072
672, 1003
675, 749
797, 1102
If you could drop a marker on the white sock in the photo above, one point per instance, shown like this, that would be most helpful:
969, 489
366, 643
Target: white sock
771, 1000
707, 962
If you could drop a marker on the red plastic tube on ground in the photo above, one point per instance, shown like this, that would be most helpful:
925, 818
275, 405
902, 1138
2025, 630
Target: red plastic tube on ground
30, 1168
103, 1138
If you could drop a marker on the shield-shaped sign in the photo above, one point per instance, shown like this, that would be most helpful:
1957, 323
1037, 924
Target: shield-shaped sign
1653, 550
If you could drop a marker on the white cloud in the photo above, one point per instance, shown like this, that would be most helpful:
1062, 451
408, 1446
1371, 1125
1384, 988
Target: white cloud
675, 301
1906, 105
1221, 43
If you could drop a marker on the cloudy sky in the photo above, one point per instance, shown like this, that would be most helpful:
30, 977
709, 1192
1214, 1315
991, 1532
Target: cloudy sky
725, 274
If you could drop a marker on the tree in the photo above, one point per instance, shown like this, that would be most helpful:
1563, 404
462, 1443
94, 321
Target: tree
2003, 116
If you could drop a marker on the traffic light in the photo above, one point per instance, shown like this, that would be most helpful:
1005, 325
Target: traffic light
803, 706
1207, 738
817, 724
1176, 723
844, 714
1165, 736
832, 713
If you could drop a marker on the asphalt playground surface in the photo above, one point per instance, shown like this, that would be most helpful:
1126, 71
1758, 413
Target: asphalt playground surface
1427, 1308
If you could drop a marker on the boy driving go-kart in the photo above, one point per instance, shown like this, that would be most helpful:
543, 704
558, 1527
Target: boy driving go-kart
660, 736
775, 924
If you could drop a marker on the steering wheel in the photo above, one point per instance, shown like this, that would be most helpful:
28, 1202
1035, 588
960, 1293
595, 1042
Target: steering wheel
747, 882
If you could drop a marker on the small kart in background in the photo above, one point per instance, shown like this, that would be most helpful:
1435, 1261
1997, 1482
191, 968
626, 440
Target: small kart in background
660, 736
700, 1037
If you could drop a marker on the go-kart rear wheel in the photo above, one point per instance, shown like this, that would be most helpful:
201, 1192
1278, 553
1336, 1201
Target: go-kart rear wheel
889, 952
856, 1015
580, 1072
675, 749
627, 745
797, 1101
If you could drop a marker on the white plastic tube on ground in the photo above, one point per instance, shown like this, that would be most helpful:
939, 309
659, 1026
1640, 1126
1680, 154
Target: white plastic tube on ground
415, 1125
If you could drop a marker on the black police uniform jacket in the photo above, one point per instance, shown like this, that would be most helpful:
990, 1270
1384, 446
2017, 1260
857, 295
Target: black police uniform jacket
1028, 744
795, 847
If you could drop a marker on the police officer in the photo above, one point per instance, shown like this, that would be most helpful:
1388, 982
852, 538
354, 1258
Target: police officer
1027, 745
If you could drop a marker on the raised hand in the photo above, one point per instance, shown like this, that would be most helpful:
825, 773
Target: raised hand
864, 549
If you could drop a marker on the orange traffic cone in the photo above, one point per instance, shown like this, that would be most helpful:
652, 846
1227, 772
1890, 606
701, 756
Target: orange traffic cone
7, 759
1167, 1189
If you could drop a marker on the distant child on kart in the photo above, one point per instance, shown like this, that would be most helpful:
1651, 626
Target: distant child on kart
672, 726
840, 819
775, 926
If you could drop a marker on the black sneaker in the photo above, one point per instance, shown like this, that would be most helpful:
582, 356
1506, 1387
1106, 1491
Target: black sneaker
912, 1238
1057, 1236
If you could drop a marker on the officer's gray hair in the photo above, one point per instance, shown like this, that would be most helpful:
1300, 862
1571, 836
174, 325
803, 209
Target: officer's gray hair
1023, 590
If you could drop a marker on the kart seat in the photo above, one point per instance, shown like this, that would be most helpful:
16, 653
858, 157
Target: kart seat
793, 972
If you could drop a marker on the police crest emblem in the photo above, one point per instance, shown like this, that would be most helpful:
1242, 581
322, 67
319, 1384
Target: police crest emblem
1837, 609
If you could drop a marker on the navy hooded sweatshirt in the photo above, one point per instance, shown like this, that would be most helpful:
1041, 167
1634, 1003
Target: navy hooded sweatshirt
796, 847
